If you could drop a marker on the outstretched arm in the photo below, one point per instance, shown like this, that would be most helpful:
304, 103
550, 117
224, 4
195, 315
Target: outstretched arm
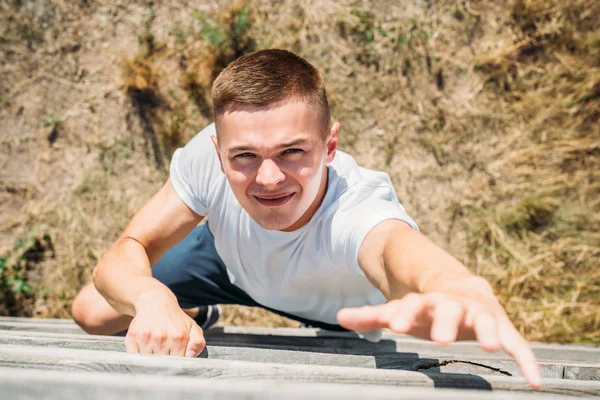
432, 295
124, 277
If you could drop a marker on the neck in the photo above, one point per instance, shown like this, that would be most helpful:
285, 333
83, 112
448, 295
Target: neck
312, 209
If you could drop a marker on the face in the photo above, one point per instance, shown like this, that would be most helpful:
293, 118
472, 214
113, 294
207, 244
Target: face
275, 161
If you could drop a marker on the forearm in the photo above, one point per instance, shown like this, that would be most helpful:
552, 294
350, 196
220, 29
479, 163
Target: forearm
414, 263
450, 302
123, 276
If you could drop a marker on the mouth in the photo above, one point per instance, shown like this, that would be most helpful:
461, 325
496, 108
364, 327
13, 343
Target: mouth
275, 200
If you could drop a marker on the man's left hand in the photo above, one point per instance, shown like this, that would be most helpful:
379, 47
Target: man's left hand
446, 316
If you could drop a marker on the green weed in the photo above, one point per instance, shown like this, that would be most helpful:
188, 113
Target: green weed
52, 121
16, 291
12, 280
210, 29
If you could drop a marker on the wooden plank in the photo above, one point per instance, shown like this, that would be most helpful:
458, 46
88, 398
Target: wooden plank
333, 342
581, 373
487, 364
295, 337
550, 352
60, 335
69, 325
20, 384
105, 361
422, 362
311, 332
384, 361
62, 321
41, 327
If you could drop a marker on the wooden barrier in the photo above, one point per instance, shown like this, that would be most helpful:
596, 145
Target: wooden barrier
421, 361
276, 363
331, 341
35, 385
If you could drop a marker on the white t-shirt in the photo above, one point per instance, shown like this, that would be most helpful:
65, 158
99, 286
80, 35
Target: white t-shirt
312, 272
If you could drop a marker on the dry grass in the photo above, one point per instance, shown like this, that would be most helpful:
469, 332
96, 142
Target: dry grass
540, 244
485, 114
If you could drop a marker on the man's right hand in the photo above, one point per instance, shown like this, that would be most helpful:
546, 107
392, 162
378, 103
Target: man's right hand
160, 326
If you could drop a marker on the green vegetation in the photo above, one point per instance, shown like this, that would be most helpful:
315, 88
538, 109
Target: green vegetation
52, 121
16, 291
12, 281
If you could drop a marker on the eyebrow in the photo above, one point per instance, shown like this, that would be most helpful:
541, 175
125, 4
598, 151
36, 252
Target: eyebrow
297, 142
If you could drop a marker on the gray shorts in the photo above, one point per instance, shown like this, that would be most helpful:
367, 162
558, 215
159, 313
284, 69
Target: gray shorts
197, 276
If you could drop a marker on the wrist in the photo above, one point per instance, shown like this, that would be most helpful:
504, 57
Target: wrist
154, 298
471, 282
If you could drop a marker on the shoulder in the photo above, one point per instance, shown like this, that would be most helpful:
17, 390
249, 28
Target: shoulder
355, 175
351, 193
354, 185
199, 150
202, 140
195, 171
359, 199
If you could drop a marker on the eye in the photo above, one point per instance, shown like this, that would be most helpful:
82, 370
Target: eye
244, 155
292, 151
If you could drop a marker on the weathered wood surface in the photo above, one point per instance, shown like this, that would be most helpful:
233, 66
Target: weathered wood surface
332, 341
381, 360
105, 361
36, 320
42, 358
394, 343
50, 385
39, 326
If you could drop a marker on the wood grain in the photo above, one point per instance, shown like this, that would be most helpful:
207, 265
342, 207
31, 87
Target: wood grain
40, 327
327, 341
393, 352
433, 362
401, 344
106, 361
307, 357
50, 385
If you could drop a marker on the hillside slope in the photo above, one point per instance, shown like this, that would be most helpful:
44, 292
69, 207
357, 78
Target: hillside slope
484, 115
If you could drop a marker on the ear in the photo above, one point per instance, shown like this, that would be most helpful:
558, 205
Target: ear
332, 142
216, 143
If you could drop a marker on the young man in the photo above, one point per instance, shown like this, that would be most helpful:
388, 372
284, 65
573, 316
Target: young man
294, 225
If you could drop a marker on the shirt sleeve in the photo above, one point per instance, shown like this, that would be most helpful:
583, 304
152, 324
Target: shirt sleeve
365, 207
193, 169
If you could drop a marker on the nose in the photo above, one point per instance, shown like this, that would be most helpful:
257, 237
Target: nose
269, 174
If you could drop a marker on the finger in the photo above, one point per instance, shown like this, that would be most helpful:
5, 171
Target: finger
519, 349
366, 318
178, 343
196, 343
130, 344
486, 331
408, 313
158, 344
447, 317
143, 341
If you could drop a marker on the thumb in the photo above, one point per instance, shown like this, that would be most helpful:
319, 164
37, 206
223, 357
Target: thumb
364, 319
196, 343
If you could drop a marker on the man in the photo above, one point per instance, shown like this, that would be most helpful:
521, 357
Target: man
294, 225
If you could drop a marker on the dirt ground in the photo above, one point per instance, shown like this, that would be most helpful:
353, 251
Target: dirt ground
485, 115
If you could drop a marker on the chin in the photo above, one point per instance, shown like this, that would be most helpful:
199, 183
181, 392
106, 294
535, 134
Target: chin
274, 224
